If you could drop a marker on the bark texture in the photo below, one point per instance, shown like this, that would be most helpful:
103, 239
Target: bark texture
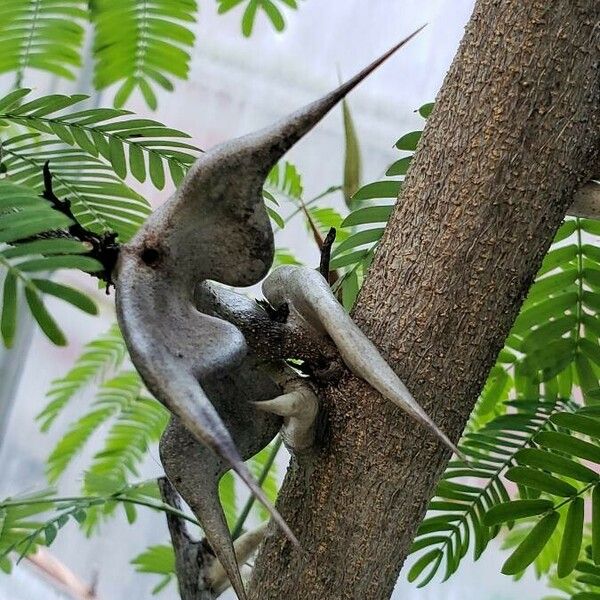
515, 132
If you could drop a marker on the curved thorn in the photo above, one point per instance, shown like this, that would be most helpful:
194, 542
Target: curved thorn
310, 294
299, 409
244, 547
247, 478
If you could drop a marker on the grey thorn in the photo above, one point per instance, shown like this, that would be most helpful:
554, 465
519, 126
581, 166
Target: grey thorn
214, 227
309, 294
245, 546
299, 410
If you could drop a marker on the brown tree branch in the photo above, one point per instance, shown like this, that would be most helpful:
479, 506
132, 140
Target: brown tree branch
514, 133
62, 576
192, 558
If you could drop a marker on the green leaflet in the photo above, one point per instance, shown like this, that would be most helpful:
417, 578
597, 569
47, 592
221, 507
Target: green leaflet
271, 9
433, 556
541, 481
8, 317
571, 541
352, 159
378, 189
159, 560
579, 423
554, 463
24, 214
516, 509
569, 445
532, 545
596, 524
409, 141
368, 214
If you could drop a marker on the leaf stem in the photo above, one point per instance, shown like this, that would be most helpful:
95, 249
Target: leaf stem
92, 500
239, 525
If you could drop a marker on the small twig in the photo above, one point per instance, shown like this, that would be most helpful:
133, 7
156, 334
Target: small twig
326, 254
192, 558
61, 575
177, 526
104, 247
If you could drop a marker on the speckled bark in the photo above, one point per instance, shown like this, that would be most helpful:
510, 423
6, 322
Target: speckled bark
515, 132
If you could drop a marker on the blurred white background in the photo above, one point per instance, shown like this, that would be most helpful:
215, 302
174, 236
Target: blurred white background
238, 85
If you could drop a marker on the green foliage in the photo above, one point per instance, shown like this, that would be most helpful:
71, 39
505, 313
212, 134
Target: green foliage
372, 206
115, 396
20, 527
27, 522
137, 45
550, 354
556, 328
527, 428
102, 355
45, 35
455, 522
553, 469
100, 201
103, 146
141, 45
263, 467
352, 159
26, 262
130, 145
136, 422
271, 9
157, 560
284, 182
582, 584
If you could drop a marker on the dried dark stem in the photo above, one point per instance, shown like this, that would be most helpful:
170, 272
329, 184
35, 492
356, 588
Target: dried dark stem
326, 254
190, 556
104, 247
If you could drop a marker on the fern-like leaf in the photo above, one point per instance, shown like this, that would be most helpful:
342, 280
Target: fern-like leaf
553, 469
557, 330
115, 395
45, 35
99, 357
142, 44
27, 522
100, 201
456, 519
129, 437
131, 145
24, 215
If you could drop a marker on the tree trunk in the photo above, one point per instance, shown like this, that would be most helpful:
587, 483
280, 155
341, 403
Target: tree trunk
514, 133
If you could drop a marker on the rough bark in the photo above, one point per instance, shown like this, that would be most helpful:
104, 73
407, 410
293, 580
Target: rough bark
514, 134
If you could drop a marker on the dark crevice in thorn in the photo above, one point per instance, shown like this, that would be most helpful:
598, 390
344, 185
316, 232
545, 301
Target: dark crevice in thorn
151, 256
279, 314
